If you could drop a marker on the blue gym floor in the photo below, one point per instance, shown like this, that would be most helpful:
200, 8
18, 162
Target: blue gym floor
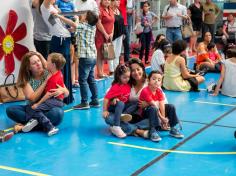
85, 147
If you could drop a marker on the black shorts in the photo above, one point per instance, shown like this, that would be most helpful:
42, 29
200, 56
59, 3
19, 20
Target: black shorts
197, 26
193, 83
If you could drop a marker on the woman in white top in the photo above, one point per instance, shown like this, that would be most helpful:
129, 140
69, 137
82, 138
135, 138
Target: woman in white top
60, 42
227, 81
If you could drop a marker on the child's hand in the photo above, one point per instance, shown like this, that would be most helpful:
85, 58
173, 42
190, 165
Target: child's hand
105, 114
142, 104
34, 106
114, 101
165, 120
165, 126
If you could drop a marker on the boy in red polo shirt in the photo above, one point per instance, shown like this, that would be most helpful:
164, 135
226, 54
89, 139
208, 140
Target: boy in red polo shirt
160, 113
34, 113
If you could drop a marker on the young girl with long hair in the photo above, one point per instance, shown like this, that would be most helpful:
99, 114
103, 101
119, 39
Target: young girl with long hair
147, 20
115, 99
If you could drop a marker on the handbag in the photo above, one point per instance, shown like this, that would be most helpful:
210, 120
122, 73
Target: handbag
187, 29
10, 92
138, 29
108, 51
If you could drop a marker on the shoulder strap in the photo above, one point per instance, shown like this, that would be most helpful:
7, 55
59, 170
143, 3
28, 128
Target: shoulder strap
168, 8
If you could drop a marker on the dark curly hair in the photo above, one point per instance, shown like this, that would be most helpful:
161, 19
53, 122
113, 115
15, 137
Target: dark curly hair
139, 63
120, 70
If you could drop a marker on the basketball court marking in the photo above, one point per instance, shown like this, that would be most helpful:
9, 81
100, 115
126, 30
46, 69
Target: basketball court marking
212, 103
171, 151
22, 171
181, 143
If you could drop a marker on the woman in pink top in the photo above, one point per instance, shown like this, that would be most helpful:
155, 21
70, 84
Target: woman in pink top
104, 33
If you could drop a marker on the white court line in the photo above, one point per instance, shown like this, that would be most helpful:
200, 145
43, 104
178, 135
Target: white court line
212, 103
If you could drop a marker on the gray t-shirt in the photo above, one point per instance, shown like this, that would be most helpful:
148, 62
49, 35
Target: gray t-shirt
41, 30
175, 21
148, 18
229, 83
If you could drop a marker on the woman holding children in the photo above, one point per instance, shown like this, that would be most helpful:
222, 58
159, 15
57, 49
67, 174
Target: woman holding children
140, 122
33, 76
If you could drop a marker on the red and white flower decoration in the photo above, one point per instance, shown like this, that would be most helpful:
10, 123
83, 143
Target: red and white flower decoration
8, 42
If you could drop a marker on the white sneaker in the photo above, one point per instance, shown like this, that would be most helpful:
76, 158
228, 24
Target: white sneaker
117, 131
125, 117
53, 131
30, 125
211, 87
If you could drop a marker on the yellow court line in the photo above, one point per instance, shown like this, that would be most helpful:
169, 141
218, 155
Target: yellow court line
22, 171
171, 151
222, 104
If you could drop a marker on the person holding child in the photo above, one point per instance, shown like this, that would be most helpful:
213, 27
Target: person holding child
34, 112
203, 61
33, 78
118, 92
155, 108
140, 125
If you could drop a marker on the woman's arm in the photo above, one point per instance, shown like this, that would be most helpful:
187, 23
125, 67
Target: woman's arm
105, 112
183, 69
220, 81
101, 29
162, 109
43, 99
32, 95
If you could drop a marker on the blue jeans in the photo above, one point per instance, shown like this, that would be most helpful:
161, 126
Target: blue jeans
87, 80
173, 34
39, 115
18, 114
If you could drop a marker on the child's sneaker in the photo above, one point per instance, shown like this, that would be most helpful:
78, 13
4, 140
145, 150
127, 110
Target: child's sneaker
30, 125
125, 117
211, 87
94, 104
175, 133
53, 131
81, 106
4, 136
117, 131
154, 136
